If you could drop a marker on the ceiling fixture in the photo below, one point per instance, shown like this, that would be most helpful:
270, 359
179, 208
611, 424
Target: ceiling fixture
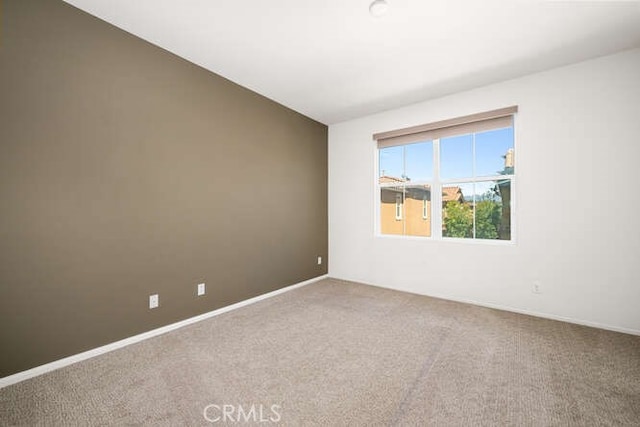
378, 8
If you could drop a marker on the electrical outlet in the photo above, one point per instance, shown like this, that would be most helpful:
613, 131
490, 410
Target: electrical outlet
319, 260
154, 301
201, 289
536, 288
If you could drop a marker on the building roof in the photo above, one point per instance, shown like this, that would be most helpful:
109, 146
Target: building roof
450, 194
385, 179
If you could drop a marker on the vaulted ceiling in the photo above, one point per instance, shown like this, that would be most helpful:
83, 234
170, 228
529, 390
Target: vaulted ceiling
332, 61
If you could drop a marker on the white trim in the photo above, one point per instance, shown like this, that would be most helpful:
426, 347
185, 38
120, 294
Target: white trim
453, 181
436, 195
57, 364
377, 227
542, 315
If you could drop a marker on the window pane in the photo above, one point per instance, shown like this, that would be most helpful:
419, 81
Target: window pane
487, 207
494, 152
457, 213
392, 210
419, 161
417, 210
481, 210
391, 162
493, 210
456, 157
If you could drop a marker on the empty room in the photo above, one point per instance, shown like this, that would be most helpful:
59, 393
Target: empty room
328, 213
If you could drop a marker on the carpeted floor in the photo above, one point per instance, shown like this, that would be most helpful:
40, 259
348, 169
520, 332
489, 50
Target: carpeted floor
338, 353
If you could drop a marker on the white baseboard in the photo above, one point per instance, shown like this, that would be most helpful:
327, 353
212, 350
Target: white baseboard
548, 316
512, 309
43, 369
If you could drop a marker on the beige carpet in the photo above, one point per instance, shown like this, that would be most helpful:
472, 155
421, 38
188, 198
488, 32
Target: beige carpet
337, 353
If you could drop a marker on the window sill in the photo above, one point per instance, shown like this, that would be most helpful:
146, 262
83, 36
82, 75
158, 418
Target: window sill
453, 240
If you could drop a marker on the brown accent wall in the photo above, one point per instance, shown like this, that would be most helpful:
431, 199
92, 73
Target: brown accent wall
127, 171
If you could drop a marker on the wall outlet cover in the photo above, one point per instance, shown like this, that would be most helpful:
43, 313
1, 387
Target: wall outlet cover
154, 301
536, 287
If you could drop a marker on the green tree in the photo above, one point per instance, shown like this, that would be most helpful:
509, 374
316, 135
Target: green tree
458, 220
487, 219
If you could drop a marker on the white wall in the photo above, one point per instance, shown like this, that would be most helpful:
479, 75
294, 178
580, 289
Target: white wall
578, 196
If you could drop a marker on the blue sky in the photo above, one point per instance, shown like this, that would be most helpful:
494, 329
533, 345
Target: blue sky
456, 157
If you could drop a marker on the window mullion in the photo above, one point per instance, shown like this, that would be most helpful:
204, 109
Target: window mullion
403, 215
436, 194
473, 171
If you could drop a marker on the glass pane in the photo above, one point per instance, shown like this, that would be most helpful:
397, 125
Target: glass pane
457, 212
419, 161
481, 210
391, 162
494, 152
487, 208
456, 157
392, 210
417, 210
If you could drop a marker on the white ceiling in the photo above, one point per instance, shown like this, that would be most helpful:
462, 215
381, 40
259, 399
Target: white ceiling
332, 61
